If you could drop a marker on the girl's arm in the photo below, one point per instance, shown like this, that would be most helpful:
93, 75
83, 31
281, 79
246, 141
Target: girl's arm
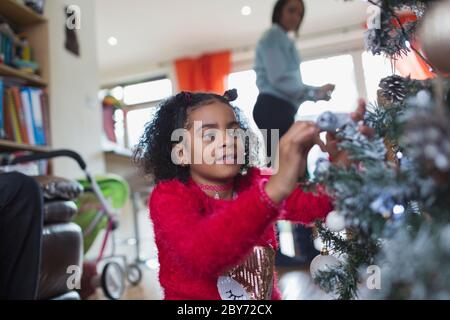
306, 207
209, 244
301, 207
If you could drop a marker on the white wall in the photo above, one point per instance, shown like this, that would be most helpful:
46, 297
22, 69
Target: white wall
75, 111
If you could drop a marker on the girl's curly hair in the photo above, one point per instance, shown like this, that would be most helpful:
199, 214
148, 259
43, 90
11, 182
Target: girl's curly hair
153, 152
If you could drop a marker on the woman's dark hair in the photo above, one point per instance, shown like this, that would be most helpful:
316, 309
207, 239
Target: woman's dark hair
278, 11
154, 150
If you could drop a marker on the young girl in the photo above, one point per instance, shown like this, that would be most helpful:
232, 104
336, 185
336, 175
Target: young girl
214, 221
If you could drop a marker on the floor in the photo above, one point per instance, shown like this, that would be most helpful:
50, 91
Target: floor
294, 285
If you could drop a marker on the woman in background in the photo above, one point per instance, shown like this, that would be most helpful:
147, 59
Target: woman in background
282, 91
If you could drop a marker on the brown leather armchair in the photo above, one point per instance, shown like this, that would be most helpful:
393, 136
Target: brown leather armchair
62, 241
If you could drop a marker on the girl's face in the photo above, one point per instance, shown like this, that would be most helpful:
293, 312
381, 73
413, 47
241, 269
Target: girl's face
291, 15
216, 150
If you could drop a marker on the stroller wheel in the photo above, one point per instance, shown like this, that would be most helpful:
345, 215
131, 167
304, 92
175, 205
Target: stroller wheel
134, 274
113, 280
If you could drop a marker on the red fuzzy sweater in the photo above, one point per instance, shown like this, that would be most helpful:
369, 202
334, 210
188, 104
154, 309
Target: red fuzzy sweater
199, 237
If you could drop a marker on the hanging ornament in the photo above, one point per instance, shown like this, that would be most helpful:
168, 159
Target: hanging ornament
419, 9
383, 205
318, 244
332, 122
322, 167
389, 40
434, 35
335, 221
323, 262
393, 88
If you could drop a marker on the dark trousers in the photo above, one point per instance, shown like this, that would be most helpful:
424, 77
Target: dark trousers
270, 113
21, 223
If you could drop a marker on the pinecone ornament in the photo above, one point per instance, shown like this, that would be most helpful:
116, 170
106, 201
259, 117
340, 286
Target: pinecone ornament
394, 88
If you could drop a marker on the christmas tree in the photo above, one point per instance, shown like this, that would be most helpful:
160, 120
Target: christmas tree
392, 204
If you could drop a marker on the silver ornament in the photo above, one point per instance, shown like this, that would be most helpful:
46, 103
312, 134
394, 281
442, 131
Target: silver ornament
323, 262
335, 222
322, 167
332, 122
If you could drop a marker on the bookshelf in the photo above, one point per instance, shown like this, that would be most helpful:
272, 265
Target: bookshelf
35, 27
19, 14
6, 145
30, 79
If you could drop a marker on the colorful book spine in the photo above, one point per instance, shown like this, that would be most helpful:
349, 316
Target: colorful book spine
38, 122
13, 116
46, 117
21, 114
28, 110
8, 126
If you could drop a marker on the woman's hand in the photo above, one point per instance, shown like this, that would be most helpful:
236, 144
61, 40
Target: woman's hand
339, 156
293, 151
324, 92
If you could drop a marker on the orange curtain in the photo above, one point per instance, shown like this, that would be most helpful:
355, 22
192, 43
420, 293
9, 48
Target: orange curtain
206, 73
412, 64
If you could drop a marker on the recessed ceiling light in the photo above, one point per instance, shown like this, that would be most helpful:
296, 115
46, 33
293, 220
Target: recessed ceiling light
112, 41
246, 10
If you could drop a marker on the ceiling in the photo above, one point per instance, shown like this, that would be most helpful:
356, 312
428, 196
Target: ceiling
157, 31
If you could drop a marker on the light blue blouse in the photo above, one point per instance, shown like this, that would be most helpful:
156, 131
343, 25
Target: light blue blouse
277, 67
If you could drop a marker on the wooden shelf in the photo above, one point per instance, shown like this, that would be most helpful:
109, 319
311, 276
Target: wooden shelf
124, 153
20, 14
6, 145
31, 79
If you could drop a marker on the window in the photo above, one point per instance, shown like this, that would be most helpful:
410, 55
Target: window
147, 91
130, 122
245, 83
375, 68
136, 121
338, 70
138, 93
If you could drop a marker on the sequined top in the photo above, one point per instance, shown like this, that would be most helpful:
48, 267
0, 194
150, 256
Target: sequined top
252, 279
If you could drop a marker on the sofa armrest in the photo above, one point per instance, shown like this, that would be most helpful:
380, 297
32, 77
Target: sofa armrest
55, 188
59, 212
62, 247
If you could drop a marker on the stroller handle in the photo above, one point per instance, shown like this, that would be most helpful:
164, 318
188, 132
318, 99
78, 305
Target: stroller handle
75, 156
50, 155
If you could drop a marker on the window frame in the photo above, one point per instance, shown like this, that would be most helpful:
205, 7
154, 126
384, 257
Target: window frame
138, 106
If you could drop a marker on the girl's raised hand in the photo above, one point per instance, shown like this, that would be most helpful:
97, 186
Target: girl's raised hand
339, 156
294, 147
293, 151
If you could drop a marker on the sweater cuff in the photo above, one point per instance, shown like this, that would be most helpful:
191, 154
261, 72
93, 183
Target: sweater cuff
279, 207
